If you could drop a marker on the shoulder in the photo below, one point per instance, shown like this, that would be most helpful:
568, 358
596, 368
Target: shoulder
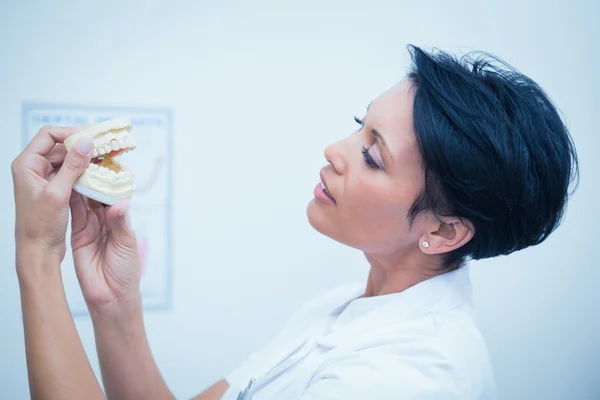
438, 357
383, 375
460, 340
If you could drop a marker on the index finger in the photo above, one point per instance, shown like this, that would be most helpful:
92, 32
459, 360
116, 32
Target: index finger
48, 136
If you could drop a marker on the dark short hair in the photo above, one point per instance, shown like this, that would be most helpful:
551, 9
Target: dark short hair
495, 152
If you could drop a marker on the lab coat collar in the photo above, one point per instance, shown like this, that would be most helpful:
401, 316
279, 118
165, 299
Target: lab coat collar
297, 334
377, 315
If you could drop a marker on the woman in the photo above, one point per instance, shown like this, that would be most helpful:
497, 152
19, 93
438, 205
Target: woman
465, 159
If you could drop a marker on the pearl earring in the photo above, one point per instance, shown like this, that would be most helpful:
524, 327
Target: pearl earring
426, 244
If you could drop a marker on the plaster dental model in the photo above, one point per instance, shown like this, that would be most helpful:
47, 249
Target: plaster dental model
105, 180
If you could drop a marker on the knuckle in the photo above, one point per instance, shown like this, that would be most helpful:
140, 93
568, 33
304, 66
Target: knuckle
45, 129
15, 165
73, 163
53, 194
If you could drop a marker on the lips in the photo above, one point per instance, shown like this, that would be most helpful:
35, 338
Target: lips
325, 187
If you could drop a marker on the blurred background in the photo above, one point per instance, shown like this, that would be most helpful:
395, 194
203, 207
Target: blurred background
254, 91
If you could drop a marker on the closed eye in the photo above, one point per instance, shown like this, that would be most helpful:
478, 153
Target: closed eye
368, 159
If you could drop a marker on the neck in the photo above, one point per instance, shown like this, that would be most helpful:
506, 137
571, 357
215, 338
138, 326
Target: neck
388, 275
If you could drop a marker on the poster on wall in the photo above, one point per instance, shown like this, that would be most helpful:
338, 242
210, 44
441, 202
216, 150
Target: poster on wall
150, 206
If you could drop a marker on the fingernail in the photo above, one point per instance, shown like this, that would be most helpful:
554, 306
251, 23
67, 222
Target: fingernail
84, 146
122, 212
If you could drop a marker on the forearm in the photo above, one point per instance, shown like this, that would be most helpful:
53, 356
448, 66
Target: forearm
128, 368
57, 365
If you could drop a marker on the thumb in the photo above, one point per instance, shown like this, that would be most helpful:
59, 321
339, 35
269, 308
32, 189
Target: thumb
117, 219
76, 161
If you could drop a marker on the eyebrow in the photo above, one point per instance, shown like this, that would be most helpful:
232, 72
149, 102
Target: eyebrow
378, 136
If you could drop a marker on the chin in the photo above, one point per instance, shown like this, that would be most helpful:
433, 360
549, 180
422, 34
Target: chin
323, 221
318, 218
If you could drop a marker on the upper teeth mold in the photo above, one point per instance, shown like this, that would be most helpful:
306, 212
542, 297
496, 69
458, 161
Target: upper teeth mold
105, 180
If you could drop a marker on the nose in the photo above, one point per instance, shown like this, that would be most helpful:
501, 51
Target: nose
334, 155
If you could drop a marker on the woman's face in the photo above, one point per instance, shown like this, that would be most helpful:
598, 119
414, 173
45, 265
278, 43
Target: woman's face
374, 177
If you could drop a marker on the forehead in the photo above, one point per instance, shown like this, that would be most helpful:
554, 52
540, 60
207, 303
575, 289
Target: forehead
394, 107
392, 115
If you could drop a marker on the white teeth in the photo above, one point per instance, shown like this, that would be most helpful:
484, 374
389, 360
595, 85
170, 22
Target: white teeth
326, 191
121, 142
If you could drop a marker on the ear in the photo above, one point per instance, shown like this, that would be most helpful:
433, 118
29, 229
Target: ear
449, 234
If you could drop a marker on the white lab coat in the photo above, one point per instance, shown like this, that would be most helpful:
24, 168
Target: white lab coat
421, 343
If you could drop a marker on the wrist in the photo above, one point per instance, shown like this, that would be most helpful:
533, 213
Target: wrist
120, 310
37, 264
121, 321
35, 249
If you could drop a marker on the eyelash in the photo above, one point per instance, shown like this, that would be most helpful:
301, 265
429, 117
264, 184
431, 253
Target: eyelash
365, 152
368, 159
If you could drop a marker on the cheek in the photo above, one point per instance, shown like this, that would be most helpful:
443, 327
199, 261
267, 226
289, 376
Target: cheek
387, 194
374, 212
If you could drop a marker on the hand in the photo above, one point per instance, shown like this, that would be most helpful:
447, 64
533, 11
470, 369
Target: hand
105, 251
43, 176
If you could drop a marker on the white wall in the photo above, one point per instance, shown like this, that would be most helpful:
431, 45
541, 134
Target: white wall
258, 90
